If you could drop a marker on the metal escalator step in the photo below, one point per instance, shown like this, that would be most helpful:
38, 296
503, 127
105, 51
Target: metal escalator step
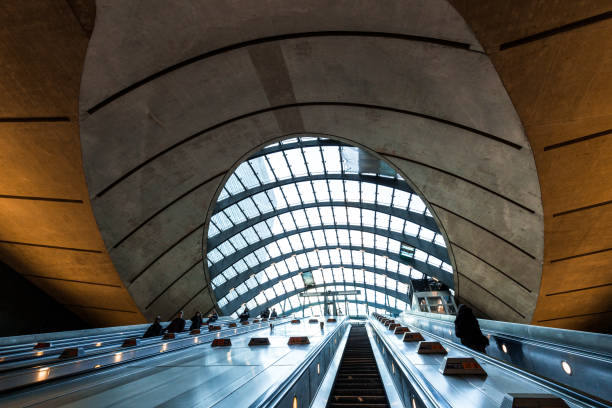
358, 382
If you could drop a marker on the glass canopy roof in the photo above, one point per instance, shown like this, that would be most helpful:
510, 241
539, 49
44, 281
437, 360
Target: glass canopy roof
311, 215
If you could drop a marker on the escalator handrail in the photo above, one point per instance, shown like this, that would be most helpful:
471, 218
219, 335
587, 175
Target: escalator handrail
565, 391
428, 394
274, 395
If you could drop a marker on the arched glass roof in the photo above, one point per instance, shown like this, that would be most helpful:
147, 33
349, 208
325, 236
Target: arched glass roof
312, 214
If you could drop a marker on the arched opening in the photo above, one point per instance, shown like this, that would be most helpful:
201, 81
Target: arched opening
309, 215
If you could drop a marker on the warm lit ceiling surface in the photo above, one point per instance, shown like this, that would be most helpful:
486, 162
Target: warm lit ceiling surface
317, 205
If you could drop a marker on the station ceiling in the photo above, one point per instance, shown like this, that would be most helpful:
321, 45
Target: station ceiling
499, 114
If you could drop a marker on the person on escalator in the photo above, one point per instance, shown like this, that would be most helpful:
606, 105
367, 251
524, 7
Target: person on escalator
244, 316
154, 330
212, 317
468, 330
265, 314
196, 321
177, 325
274, 314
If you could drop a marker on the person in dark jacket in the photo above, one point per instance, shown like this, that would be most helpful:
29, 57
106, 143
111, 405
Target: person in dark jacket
155, 329
468, 330
196, 321
212, 317
273, 314
244, 316
266, 313
177, 325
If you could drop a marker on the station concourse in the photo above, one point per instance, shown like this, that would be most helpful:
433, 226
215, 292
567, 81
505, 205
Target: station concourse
326, 183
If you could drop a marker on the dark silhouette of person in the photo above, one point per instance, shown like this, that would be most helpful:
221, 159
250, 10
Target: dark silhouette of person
468, 330
266, 313
273, 314
155, 329
212, 317
244, 316
177, 325
196, 321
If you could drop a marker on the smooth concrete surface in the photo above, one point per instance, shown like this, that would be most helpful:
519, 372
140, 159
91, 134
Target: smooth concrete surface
178, 134
200, 376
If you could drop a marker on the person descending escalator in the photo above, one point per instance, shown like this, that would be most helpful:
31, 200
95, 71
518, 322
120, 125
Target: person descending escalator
468, 330
154, 330
196, 321
244, 316
273, 314
212, 317
177, 325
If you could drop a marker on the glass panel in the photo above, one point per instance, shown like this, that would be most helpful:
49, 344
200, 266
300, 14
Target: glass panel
306, 192
314, 160
296, 161
246, 176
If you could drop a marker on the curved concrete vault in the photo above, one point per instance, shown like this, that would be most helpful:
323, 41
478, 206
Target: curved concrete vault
173, 97
167, 111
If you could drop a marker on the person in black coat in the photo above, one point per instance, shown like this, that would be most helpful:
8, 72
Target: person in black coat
155, 329
244, 316
265, 314
273, 314
212, 317
468, 330
177, 325
196, 321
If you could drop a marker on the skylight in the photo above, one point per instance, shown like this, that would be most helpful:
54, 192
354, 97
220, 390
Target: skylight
315, 205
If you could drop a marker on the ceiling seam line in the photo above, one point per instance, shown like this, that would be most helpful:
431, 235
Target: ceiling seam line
578, 140
50, 199
34, 119
588, 207
99, 308
557, 30
462, 179
492, 266
299, 105
581, 255
173, 282
485, 229
492, 294
164, 253
142, 224
95, 251
579, 290
574, 316
190, 300
71, 280
277, 38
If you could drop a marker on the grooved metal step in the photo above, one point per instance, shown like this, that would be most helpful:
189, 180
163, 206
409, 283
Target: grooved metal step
358, 382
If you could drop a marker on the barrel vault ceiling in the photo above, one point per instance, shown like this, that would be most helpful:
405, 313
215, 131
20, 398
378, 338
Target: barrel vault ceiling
171, 99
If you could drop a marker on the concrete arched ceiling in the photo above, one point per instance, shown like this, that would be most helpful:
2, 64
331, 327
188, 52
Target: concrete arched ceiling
174, 98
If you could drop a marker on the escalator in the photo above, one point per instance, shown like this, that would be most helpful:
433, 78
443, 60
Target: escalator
358, 382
